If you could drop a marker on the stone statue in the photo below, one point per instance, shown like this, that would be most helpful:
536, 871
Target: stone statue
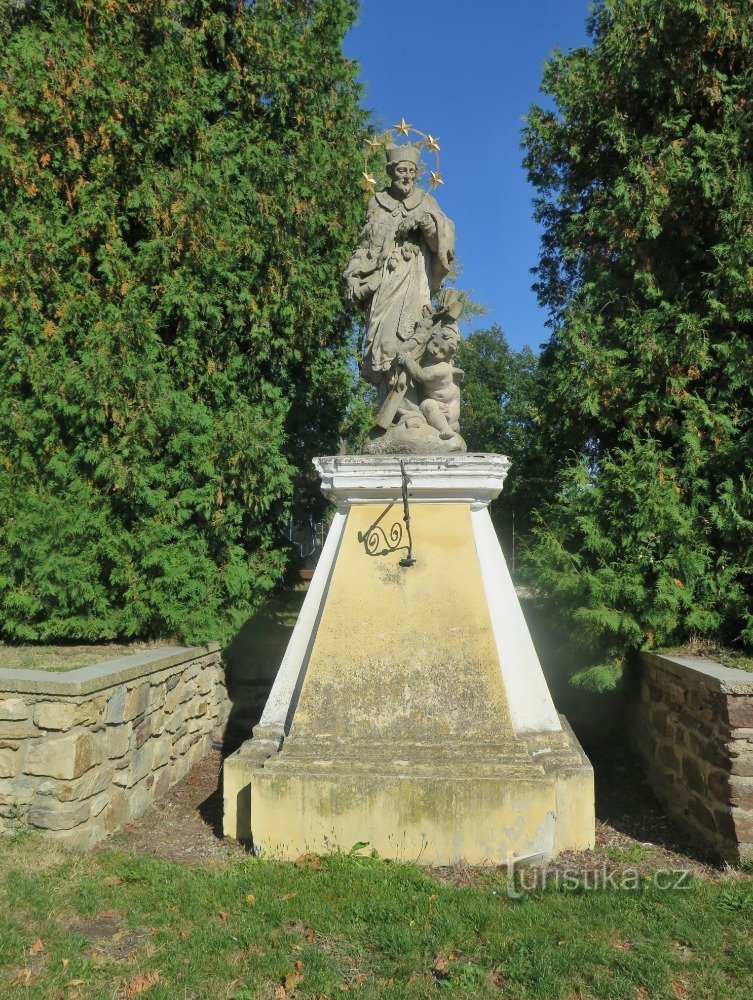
404, 253
439, 378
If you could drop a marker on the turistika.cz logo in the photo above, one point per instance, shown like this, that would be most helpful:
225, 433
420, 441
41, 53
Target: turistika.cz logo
524, 878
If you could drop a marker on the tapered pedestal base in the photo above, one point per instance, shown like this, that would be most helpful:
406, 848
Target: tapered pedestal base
410, 711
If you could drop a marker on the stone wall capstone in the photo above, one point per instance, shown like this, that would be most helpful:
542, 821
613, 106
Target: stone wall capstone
690, 720
84, 752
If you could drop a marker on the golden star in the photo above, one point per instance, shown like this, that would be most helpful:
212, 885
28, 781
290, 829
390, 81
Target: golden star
435, 179
372, 146
402, 128
432, 143
369, 181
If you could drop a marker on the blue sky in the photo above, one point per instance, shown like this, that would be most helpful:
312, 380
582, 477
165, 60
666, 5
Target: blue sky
467, 73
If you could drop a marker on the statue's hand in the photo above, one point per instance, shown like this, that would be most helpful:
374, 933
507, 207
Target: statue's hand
427, 224
358, 290
406, 226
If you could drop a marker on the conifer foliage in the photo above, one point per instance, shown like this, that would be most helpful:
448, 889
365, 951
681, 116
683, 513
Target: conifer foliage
644, 172
178, 196
498, 414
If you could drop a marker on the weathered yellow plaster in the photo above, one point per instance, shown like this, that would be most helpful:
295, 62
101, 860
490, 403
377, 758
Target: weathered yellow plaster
406, 653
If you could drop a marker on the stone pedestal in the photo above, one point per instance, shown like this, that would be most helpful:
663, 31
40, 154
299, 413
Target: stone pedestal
410, 710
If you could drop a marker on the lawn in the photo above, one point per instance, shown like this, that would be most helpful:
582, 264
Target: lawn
106, 924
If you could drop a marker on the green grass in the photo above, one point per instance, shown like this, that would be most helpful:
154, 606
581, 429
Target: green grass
632, 855
107, 925
69, 657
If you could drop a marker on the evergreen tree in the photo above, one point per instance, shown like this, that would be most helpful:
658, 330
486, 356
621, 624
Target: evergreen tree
178, 196
644, 170
499, 414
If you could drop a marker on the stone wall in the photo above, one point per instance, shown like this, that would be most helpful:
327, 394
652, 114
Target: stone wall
84, 752
691, 722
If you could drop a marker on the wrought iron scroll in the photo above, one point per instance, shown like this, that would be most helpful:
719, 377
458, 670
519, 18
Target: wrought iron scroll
378, 540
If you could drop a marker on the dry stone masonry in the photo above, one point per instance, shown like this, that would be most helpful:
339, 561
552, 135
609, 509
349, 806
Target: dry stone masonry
691, 722
84, 752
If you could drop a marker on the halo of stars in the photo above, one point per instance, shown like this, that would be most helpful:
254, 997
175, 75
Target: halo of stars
377, 143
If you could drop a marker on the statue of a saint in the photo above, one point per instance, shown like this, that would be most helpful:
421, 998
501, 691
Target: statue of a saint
405, 251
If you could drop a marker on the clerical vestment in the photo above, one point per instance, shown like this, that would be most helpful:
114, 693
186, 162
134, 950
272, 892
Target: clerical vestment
397, 274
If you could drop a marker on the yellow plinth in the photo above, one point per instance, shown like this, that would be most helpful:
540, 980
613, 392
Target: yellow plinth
405, 653
400, 731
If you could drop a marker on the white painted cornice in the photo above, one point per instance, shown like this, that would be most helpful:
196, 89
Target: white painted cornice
470, 478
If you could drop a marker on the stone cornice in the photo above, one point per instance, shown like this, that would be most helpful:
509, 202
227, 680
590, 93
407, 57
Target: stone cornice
96, 677
470, 478
699, 670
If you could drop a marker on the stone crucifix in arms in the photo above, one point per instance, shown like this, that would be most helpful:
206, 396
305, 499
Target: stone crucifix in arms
404, 253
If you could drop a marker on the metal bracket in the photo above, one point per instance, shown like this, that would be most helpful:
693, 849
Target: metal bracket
380, 541
408, 560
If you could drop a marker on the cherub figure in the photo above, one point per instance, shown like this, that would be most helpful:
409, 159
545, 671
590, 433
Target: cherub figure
439, 380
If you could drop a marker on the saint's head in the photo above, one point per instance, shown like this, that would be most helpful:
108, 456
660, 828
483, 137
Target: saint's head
402, 168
